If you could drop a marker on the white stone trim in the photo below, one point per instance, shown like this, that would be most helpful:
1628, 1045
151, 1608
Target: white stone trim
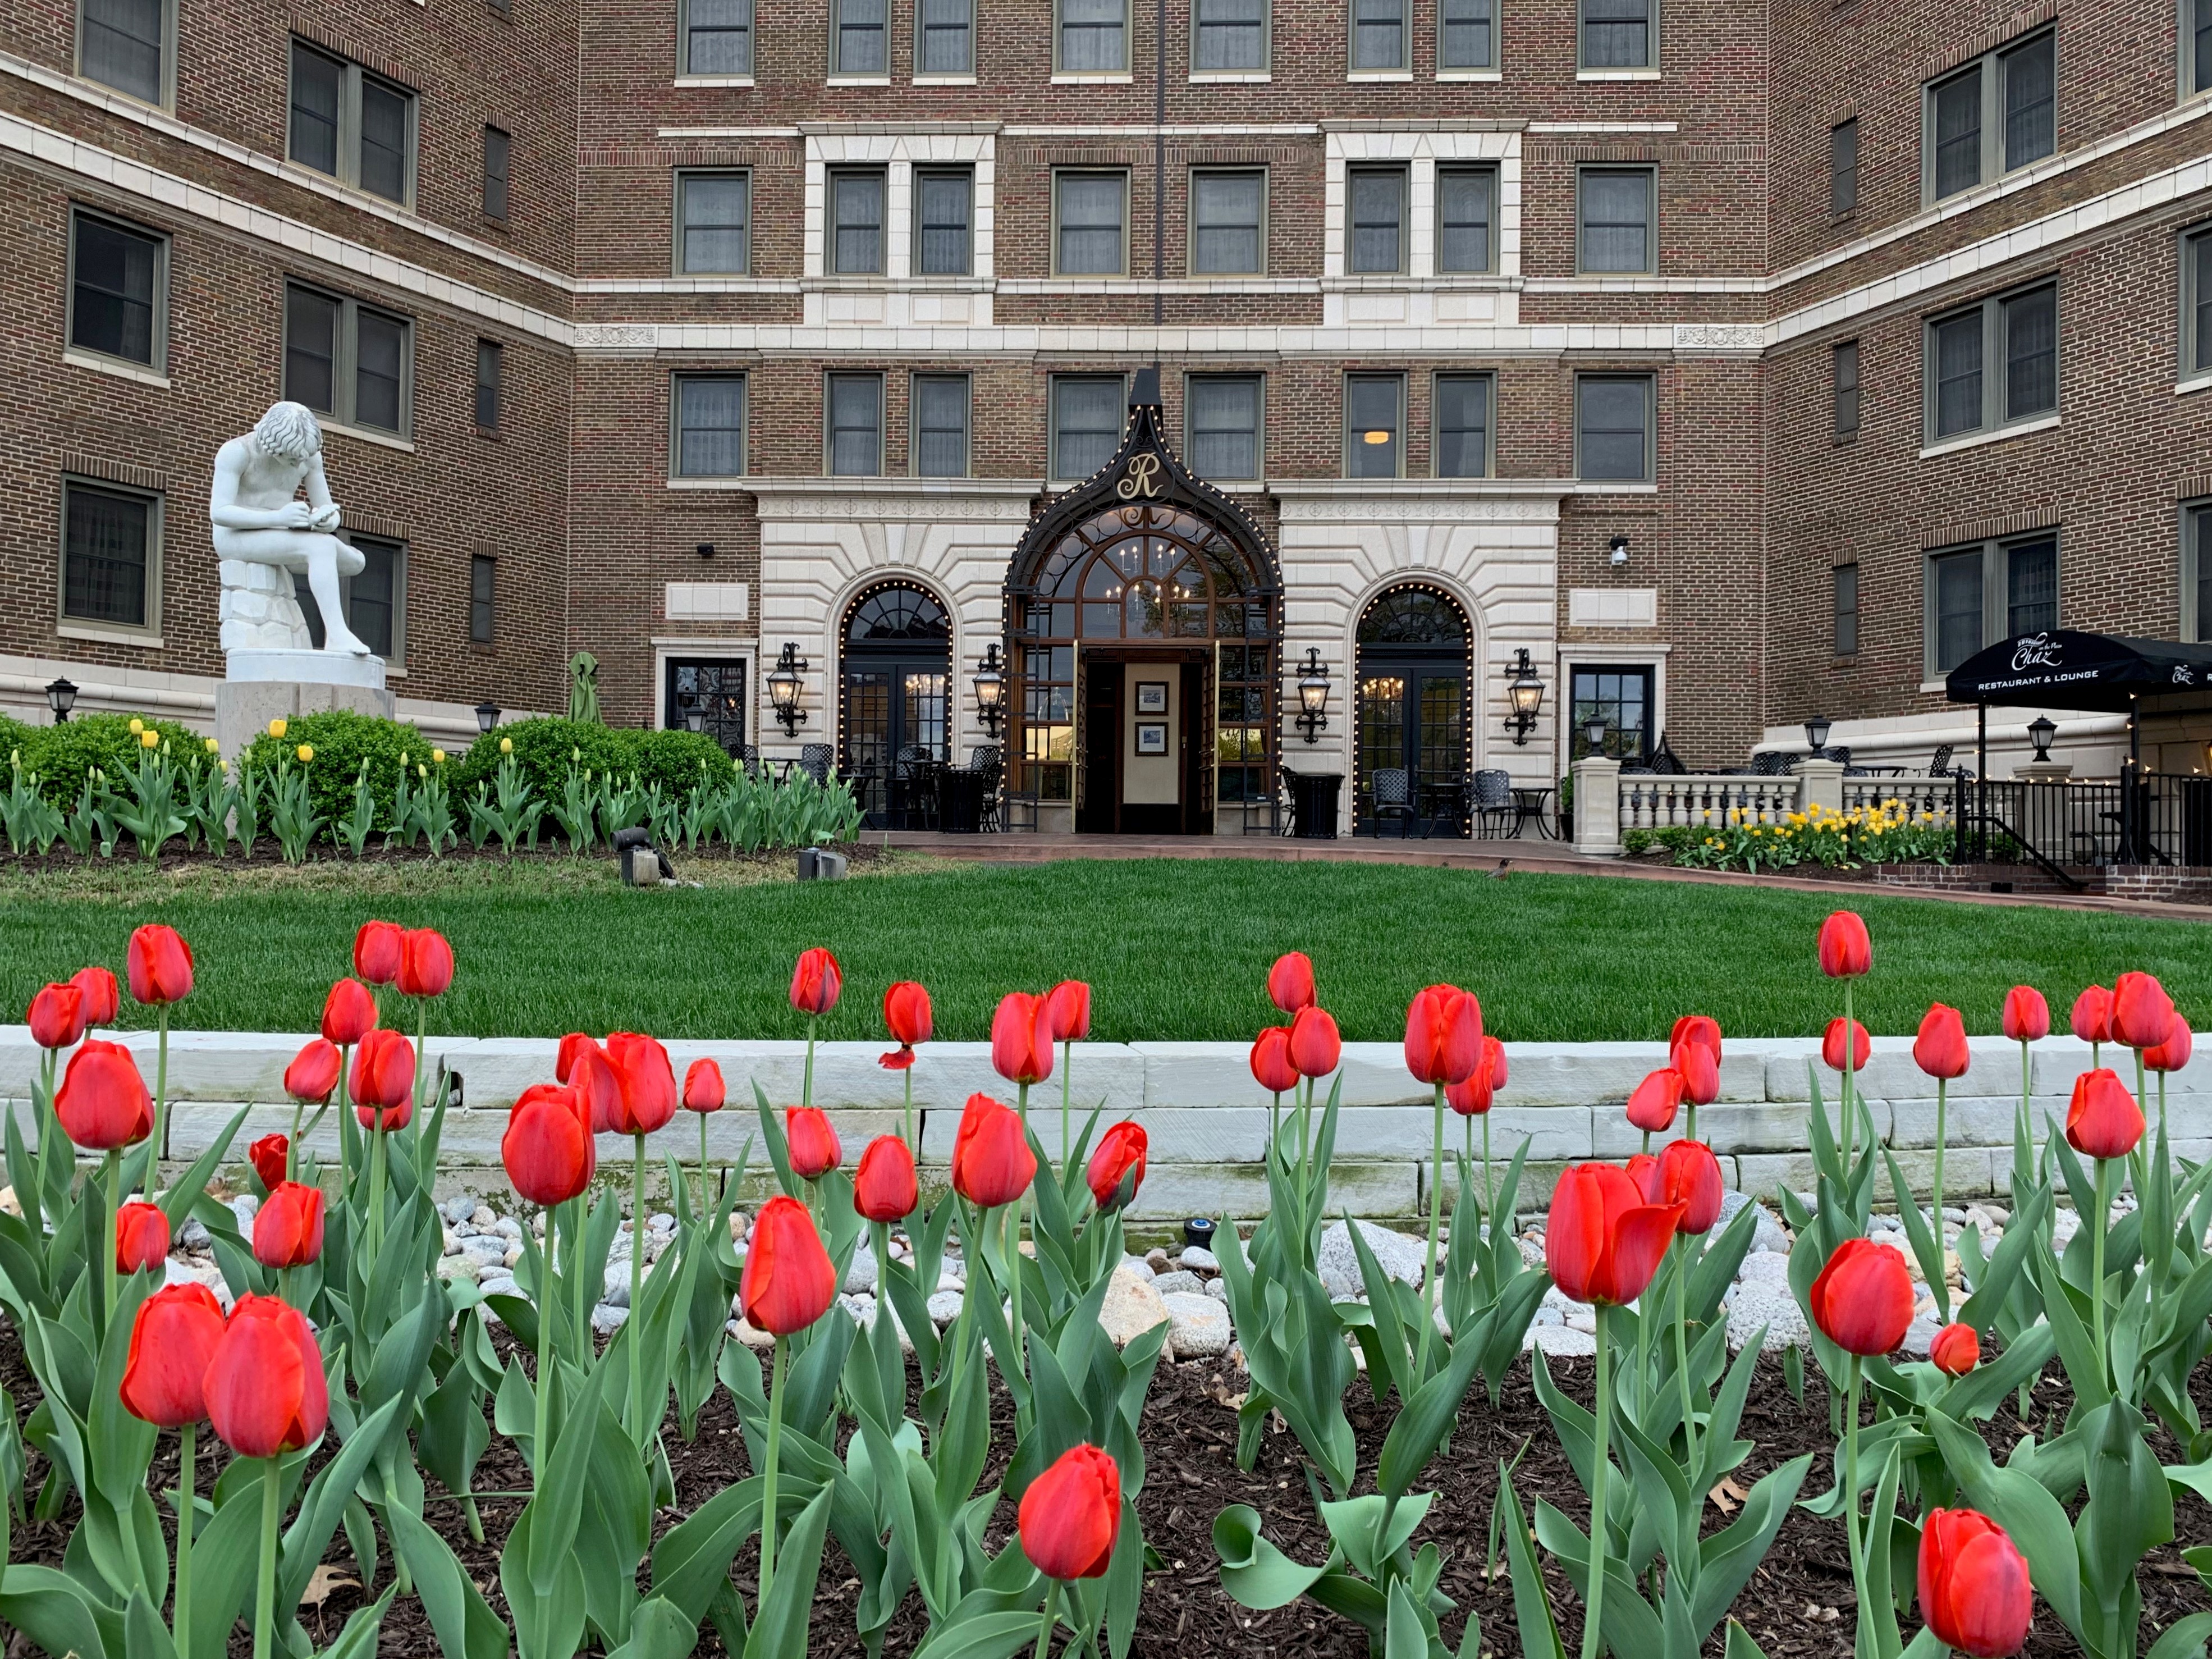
1421, 152
890, 299
1993, 435
1146, 129
712, 81
78, 358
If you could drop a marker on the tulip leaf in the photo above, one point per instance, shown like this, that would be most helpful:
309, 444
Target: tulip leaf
1718, 1265
779, 1149
981, 1636
1740, 1646
177, 1202
465, 1626
59, 1614
1532, 1606
144, 1636
1425, 1419
1125, 1581
1630, 1625
1404, 1634
779, 1623
1925, 1250
560, 1505
1981, 1390
324, 1500
657, 1630
2077, 1353
2185, 1639
549, 1624
358, 1639
1727, 1559
1254, 1571
2018, 1504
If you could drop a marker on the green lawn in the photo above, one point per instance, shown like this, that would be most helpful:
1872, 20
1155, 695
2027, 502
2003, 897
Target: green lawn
1174, 948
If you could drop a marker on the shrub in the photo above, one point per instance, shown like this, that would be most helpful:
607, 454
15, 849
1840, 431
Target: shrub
545, 749
342, 740
62, 755
15, 735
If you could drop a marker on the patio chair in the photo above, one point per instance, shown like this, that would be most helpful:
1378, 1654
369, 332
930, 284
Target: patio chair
914, 777
1939, 765
1770, 763
1666, 762
814, 759
1390, 794
988, 758
1490, 803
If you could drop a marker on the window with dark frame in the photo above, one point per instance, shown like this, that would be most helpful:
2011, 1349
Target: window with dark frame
941, 417
1464, 35
2196, 302
1613, 211
944, 207
859, 36
1230, 35
1617, 33
856, 223
1466, 206
125, 44
1227, 221
714, 222
854, 408
1222, 413
1092, 36
1843, 166
1993, 590
1994, 116
2197, 50
110, 547
375, 598
1992, 364
709, 439
1846, 609
1462, 425
1374, 425
2197, 546
717, 37
1086, 422
944, 37
1375, 206
1378, 35
347, 361
489, 356
483, 589
1845, 366
1089, 211
1612, 427
498, 155
350, 124
118, 297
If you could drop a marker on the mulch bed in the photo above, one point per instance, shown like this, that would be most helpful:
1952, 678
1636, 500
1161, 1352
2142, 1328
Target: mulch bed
1798, 1605
551, 849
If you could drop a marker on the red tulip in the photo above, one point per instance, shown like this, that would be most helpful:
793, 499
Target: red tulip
103, 999
1862, 1300
908, 1017
547, 1148
377, 949
1069, 1005
1652, 1107
704, 1091
268, 1156
2091, 1019
288, 1229
1290, 981
1974, 1588
648, 1083
1941, 1049
1021, 1038
1499, 1070
788, 1282
2026, 1015
2171, 1055
1315, 1047
1688, 1175
160, 964
2141, 1010
815, 1148
102, 1103
1832, 1045
1271, 1060
594, 1078
1117, 1168
384, 1080
1845, 950
1444, 1035
574, 1043
816, 981
1070, 1515
2102, 1119
314, 1071
1604, 1240
425, 963
348, 1013
265, 1389
56, 1016
172, 1341
1694, 1051
142, 1237
1472, 1098
884, 1187
992, 1163
1956, 1350
1644, 1169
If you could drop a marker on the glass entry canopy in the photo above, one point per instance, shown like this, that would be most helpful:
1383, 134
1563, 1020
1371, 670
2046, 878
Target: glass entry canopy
894, 702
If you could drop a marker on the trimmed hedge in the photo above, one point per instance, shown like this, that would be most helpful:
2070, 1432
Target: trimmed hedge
545, 749
62, 755
342, 740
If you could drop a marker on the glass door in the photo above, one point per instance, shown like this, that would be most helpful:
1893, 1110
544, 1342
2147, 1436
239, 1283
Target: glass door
1413, 731
895, 715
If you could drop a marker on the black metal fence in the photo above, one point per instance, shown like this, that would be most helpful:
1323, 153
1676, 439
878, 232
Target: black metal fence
2146, 817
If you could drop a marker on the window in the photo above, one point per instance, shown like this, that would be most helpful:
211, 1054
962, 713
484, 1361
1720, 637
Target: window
710, 426
940, 426
1378, 34
498, 150
1232, 35
1618, 35
1228, 222
1465, 206
1846, 609
2196, 571
111, 555
946, 37
1994, 364
1222, 425
1463, 34
713, 222
1462, 435
1846, 366
1376, 204
1374, 420
1843, 166
1612, 427
856, 223
375, 600
2196, 302
716, 37
1996, 590
1087, 224
1091, 36
2197, 53
1999, 113
858, 37
489, 354
347, 361
1086, 422
118, 280
355, 126
943, 209
483, 586
1614, 212
125, 44
854, 439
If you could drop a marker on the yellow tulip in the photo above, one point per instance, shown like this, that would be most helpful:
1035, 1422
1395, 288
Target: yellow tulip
305, 752
137, 726
506, 745
438, 756
211, 745
149, 739
276, 727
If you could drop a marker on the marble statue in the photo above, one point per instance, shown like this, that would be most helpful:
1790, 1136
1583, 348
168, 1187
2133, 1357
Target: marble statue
263, 533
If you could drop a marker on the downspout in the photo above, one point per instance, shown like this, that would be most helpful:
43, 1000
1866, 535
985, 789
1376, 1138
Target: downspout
1159, 175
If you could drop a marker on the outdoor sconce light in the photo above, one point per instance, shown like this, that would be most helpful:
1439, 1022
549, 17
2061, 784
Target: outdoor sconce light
705, 549
991, 688
783, 684
1526, 694
695, 713
1313, 695
1619, 550
1594, 734
487, 715
1816, 735
2040, 731
61, 697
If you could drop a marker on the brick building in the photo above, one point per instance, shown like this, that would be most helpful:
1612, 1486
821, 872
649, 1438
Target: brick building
1737, 364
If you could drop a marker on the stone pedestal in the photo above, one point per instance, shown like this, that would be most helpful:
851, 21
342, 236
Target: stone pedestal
2043, 771
1820, 783
259, 612
1598, 806
267, 685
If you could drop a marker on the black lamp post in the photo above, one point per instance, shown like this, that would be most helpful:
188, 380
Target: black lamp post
1816, 735
784, 681
61, 697
2040, 731
694, 712
1526, 695
1313, 695
991, 689
487, 715
1593, 730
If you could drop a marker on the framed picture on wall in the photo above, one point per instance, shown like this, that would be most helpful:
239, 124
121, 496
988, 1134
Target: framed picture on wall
1152, 699
1151, 736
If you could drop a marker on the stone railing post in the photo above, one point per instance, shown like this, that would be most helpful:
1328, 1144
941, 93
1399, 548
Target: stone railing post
1598, 806
1819, 783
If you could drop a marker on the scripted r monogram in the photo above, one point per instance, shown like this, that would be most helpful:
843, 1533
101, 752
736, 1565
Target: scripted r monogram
1143, 478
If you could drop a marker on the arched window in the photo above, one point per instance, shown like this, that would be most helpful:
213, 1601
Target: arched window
894, 701
1415, 734
894, 614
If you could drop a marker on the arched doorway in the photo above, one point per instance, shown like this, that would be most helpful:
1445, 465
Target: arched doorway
1415, 714
894, 699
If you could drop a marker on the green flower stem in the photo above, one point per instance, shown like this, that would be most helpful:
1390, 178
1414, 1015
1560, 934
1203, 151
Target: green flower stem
345, 1122
907, 1071
806, 1086
159, 1139
422, 1025
1044, 1625
1436, 1225
1595, 1599
1682, 1350
705, 1210
376, 1156
1942, 1285
768, 1479
636, 1282
1850, 1054
180, 1610
1010, 1245
1851, 1479
542, 1427
265, 1596
107, 1236
578, 1289
1274, 1120
1690, 1106
1489, 1193
292, 1141
1066, 1081
2097, 1253
2027, 1077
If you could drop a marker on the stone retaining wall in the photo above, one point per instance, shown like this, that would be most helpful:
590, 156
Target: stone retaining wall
1208, 1121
